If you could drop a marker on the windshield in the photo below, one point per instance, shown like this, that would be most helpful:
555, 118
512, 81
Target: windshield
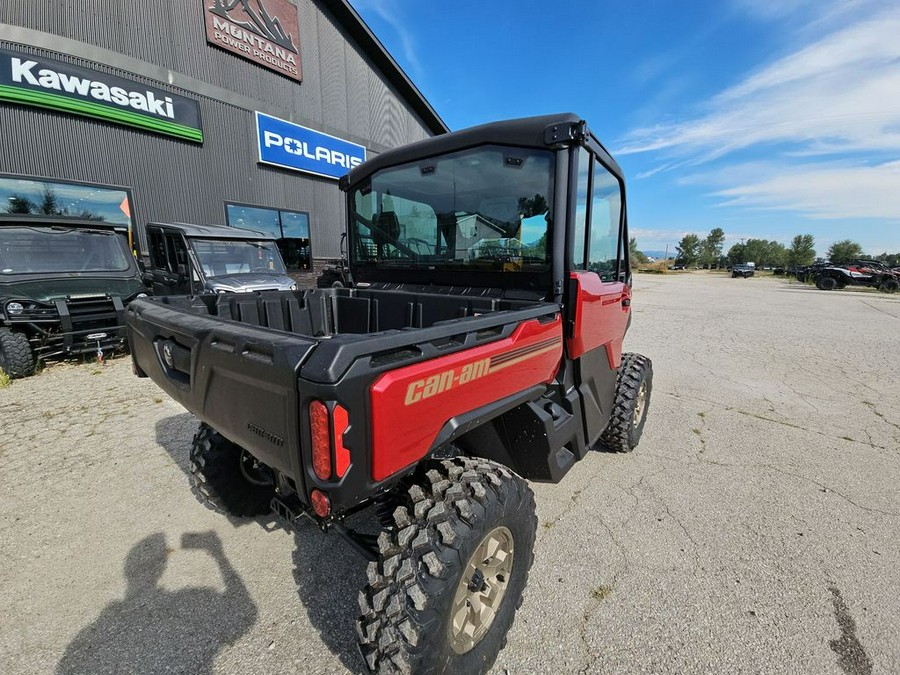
487, 208
223, 257
43, 250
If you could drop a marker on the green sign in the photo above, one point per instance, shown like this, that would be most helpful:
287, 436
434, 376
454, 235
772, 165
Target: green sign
38, 81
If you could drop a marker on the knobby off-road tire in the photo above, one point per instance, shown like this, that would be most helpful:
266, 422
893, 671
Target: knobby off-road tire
826, 283
890, 286
459, 508
227, 478
16, 357
634, 385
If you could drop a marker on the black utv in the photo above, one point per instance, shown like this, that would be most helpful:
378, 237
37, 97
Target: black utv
64, 286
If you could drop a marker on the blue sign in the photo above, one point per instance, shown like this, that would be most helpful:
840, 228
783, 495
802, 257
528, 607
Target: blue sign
291, 146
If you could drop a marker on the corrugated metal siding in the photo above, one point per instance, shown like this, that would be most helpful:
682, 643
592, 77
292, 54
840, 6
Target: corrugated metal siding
176, 180
171, 34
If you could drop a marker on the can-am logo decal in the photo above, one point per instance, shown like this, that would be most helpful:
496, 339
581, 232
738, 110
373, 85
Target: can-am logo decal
34, 80
438, 383
290, 146
262, 31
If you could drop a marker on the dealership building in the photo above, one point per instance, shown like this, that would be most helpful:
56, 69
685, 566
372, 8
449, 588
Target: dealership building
235, 112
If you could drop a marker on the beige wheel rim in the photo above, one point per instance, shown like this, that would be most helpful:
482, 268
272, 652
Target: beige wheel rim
481, 589
640, 405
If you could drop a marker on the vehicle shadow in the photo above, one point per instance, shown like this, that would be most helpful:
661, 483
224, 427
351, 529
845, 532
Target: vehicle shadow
328, 572
175, 435
152, 630
329, 575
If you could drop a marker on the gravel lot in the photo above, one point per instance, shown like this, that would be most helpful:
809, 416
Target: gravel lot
754, 530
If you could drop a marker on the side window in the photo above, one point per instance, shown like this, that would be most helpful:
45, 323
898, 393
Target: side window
606, 214
157, 250
177, 252
581, 203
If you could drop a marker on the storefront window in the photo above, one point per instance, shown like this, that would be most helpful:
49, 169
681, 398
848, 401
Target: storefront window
41, 197
290, 229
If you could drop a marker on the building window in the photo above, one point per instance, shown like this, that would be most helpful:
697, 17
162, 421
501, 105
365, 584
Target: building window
290, 229
45, 197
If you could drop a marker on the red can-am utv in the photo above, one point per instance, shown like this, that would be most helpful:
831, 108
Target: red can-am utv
479, 346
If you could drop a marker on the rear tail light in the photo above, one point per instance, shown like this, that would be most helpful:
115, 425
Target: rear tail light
321, 440
320, 503
341, 453
328, 440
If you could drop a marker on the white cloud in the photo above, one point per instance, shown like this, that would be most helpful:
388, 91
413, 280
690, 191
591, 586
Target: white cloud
768, 10
841, 93
825, 191
387, 11
824, 118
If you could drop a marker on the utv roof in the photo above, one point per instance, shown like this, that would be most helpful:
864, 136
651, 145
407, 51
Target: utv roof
19, 219
215, 231
545, 131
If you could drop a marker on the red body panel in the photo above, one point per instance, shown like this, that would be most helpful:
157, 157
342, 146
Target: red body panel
411, 405
601, 316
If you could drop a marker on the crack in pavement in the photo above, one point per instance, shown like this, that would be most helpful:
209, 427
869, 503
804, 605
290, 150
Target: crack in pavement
596, 599
823, 487
878, 309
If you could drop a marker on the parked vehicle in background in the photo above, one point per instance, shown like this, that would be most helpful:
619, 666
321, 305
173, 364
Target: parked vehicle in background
869, 273
807, 273
186, 259
743, 271
64, 286
450, 373
334, 275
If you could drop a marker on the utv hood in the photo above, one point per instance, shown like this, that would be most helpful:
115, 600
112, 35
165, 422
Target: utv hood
48, 290
245, 283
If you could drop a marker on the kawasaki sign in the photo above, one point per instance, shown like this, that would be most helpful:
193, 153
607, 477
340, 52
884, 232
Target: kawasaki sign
34, 80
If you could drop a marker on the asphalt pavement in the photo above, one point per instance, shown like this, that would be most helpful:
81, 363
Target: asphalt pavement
755, 529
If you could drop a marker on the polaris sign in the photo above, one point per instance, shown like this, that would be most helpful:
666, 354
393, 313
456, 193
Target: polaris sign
38, 81
291, 146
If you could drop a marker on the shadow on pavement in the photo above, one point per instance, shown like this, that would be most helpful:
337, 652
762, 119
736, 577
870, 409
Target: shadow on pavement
153, 630
175, 434
330, 574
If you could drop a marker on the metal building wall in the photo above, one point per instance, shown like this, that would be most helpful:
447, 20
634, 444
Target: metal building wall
342, 94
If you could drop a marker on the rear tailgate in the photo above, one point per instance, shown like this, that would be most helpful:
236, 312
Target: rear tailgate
238, 378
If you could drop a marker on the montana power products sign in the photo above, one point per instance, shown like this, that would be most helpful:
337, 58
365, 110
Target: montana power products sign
38, 81
262, 31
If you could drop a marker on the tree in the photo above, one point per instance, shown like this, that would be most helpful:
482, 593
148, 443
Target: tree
737, 254
48, 206
758, 251
637, 257
889, 259
689, 249
802, 251
711, 247
20, 205
842, 252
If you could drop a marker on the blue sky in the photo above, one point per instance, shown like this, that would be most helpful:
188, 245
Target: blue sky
767, 119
